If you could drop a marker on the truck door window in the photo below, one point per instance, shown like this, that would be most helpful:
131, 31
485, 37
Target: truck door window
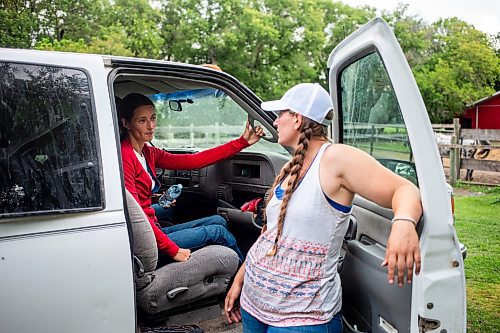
48, 141
371, 116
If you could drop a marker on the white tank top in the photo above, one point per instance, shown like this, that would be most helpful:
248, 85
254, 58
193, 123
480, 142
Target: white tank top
300, 284
143, 162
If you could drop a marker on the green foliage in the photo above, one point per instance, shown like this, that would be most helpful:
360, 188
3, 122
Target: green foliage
478, 228
24, 23
63, 45
462, 67
412, 33
59, 19
139, 25
269, 45
109, 43
343, 20
18, 24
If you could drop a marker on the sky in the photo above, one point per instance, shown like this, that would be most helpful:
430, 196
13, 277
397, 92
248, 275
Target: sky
484, 15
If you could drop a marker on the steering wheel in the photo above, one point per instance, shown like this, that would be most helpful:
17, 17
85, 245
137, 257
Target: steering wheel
251, 121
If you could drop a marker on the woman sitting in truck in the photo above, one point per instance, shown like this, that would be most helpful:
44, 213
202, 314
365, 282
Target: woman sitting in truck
140, 160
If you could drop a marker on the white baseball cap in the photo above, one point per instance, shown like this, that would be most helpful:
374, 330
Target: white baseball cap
309, 99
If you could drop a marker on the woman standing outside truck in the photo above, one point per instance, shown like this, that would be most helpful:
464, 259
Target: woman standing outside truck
289, 282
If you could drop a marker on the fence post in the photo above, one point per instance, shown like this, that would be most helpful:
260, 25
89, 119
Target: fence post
217, 133
455, 153
191, 134
371, 140
170, 134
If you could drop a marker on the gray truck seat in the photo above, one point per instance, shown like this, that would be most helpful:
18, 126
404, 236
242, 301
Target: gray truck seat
205, 274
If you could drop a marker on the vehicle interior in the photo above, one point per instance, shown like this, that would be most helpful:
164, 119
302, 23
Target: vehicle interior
192, 115
201, 110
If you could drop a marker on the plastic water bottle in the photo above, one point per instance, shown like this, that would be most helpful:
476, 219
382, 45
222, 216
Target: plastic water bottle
170, 195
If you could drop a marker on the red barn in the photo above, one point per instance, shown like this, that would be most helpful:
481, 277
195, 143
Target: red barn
483, 114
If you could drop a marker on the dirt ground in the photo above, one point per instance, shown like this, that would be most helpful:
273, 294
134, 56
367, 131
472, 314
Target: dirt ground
483, 177
220, 324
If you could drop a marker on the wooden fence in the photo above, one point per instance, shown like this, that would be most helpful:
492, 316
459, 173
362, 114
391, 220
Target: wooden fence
371, 137
364, 135
198, 136
457, 160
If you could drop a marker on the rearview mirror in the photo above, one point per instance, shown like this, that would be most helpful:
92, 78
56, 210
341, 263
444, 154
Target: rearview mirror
176, 104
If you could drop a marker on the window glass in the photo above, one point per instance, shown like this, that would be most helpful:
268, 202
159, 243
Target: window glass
48, 140
371, 116
202, 118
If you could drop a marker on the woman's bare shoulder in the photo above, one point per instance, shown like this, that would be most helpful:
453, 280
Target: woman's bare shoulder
345, 157
340, 150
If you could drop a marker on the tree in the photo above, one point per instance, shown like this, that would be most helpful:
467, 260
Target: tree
23, 23
110, 42
413, 34
18, 24
268, 44
342, 20
495, 41
462, 67
139, 23
124, 27
69, 19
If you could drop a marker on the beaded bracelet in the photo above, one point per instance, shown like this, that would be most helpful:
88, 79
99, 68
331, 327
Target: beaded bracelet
404, 219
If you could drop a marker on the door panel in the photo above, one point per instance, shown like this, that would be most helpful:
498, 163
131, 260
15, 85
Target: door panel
362, 272
377, 220
49, 283
367, 297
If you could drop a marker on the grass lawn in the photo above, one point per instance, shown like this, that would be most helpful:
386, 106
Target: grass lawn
477, 212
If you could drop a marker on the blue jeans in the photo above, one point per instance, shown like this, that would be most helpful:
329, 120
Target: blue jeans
253, 325
163, 214
199, 233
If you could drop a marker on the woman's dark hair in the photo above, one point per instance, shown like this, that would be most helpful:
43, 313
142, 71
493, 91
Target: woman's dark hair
127, 106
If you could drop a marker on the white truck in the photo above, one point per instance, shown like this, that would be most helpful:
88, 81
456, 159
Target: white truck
67, 247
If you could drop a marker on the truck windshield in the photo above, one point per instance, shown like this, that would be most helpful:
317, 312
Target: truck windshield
202, 118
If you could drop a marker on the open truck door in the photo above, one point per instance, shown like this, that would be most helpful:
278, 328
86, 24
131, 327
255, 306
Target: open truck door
379, 109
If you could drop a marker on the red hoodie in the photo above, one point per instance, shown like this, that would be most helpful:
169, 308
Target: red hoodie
139, 184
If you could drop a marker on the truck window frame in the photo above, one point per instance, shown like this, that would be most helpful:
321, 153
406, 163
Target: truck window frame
93, 113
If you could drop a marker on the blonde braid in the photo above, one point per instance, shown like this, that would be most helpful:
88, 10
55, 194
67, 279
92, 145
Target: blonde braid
309, 129
295, 166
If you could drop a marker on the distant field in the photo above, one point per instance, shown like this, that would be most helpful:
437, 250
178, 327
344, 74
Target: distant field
478, 226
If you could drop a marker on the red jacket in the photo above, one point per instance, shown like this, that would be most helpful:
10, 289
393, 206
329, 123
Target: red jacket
138, 183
